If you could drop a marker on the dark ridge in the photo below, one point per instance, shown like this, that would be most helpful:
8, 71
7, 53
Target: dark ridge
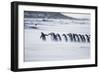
49, 15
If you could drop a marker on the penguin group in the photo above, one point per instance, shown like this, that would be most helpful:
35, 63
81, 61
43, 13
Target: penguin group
73, 37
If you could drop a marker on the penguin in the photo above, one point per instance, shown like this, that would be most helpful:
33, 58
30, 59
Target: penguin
53, 36
43, 36
87, 37
65, 37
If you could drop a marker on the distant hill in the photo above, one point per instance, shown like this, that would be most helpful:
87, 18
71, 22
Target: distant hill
49, 15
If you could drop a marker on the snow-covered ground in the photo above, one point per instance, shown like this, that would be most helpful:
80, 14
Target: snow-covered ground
39, 50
